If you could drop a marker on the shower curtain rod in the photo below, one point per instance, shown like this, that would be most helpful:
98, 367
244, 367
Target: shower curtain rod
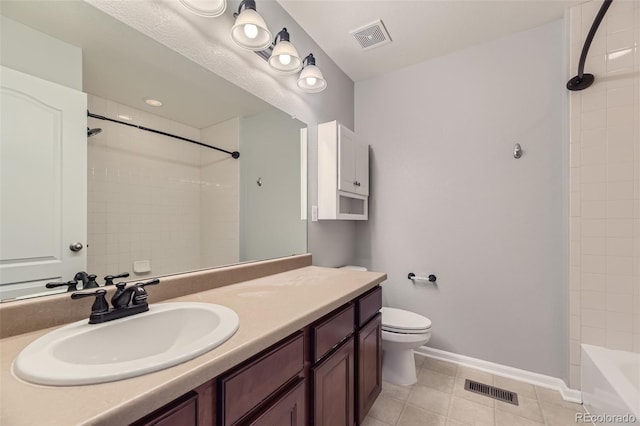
234, 154
582, 80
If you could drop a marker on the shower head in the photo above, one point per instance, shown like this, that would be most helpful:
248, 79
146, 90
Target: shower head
93, 132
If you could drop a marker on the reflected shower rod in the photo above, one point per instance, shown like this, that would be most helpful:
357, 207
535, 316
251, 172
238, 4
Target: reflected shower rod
234, 154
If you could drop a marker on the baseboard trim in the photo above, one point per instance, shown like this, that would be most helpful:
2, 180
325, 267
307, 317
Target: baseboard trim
537, 379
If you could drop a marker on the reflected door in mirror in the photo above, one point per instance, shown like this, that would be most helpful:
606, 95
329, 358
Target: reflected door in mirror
43, 175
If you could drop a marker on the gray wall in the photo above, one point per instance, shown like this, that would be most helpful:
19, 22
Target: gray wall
332, 243
270, 147
449, 198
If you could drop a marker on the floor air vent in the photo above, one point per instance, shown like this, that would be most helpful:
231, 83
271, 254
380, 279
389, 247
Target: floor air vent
491, 391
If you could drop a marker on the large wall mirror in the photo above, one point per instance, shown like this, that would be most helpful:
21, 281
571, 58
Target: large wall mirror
155, 205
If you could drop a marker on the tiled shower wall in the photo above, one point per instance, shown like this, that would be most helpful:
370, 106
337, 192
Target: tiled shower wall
220, 196
148, 195
605, 183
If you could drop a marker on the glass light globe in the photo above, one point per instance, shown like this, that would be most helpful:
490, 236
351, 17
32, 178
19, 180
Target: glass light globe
284, 59
251, 31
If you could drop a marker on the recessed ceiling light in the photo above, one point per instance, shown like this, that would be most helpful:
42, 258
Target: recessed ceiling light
153, 102
125, 117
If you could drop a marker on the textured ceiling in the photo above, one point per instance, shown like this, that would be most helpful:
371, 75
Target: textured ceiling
419, 29
123, 65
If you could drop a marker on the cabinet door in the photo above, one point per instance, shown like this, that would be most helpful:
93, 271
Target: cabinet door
333, 388
346, 160
362, 168
183, 412
369, 359
244, 390
289, 410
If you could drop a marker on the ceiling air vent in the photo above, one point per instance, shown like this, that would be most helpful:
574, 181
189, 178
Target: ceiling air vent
372, 35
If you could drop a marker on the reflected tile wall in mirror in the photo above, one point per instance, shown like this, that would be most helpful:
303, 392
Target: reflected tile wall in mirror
157, 199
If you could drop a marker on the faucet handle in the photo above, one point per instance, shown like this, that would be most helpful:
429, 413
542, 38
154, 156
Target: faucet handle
151, 282
71, 285
108, 280
140, 294
92, 282
100, 305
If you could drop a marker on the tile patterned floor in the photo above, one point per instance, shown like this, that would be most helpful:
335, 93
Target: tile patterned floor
439, 399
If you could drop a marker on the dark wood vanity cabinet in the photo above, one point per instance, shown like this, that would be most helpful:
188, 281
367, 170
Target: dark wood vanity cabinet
347, 376
328, 374
333, 372
257, 387
195, 408
333, 391
368, 351
287, 410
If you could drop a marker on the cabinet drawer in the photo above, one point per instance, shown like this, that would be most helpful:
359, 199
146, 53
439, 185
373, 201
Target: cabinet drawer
244, 389
333, 330
369, 305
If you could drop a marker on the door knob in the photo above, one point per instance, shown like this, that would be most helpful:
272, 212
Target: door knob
76, 246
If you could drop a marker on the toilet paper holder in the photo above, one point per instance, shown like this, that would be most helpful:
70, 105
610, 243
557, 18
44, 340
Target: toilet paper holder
414, 277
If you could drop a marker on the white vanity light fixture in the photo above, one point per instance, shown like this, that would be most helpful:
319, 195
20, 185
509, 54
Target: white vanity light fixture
284, 57
250, 31
206, 8
311, 79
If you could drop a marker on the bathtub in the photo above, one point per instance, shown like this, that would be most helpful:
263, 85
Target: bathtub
610, 385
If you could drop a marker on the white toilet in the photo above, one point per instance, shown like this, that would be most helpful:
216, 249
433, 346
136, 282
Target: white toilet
402, 332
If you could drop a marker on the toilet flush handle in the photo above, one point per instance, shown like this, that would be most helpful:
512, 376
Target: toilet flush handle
413, 277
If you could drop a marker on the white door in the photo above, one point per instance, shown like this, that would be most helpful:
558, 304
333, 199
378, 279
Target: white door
43, 183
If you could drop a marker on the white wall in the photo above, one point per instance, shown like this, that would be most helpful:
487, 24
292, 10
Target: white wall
332, 243
35, 53
270, 147
448, 197
605, 183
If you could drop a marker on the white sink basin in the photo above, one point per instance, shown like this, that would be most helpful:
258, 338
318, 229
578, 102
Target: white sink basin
168, 334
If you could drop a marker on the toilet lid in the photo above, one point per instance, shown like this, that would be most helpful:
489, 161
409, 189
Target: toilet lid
400, 320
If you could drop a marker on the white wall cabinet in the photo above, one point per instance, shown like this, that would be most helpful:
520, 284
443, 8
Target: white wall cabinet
353, 163
343, 174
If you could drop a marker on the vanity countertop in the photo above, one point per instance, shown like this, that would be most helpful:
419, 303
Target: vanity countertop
270, 308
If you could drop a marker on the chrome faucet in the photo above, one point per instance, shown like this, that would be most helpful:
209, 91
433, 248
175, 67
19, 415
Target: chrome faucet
126, 301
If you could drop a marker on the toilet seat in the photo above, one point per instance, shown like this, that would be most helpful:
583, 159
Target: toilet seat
404, 322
